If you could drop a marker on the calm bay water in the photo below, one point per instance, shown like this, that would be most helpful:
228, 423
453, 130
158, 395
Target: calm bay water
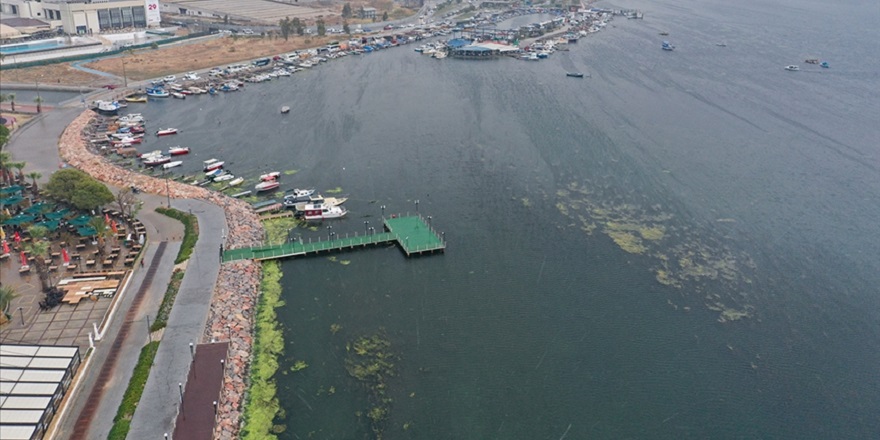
529, 327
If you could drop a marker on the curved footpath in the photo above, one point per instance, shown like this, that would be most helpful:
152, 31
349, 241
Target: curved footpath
215, 302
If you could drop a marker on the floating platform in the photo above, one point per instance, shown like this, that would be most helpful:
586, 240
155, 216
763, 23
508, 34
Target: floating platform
412, 233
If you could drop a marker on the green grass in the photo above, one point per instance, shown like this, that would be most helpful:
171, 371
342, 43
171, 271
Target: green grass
167, 301
190, 231
122, 421
261, 405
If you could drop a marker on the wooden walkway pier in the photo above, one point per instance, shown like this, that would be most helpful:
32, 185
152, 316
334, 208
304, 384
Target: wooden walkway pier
411, 233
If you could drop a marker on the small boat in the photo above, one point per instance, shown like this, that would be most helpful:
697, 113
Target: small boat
269, 208
323, 212
166, 131
270, 176
157, 93
667, 46
178, 150
173, 164
241, 194
792, 68
186, 92
224, 177
664, 33
812, 61
212, 164
298, 195
235, 182
575, 74
285, 109
721, 44
824, 64
136, 98
317, 199
157, 160
214, 173
150, 154
178, 95
266, 186
109, 108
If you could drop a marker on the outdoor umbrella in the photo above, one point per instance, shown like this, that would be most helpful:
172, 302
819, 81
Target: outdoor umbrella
11, 189
57, 215
113, 226
86, 231
19, 219
65, 257
141, 239
14, 200
107, 218
2, 234
23, 260
80, 221
5, 248
17, 237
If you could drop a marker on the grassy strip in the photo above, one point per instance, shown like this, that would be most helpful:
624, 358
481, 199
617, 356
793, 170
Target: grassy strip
167, 301
190, 231
261, 404
122, 421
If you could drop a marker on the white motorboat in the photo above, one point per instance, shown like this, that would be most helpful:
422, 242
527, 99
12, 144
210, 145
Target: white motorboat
212, 164
214, 173
285, 109
178, 95
157, 160
323, 212
172, 164
266, 186
166, 131
178, 150
237, 181
298, 195
224, 177
270, 176
792, 68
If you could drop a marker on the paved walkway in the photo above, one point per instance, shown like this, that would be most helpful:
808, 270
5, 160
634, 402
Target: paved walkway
159, 403
37, 144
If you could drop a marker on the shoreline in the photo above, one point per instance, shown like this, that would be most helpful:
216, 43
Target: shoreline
236, 291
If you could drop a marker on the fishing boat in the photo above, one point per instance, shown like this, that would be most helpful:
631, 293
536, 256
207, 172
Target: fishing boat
824, 64
214, 173
241, 194
270, 176
178, 95
298, 195
285, 109
792, 68
136, 98
212, 164
224, 177
235, 182
178, 150
150, 154
172, 164
266, 186
166, 131
316, 199
667, 46
107, 108
157, 160
575, 74
812, 61
157, 93
323, 212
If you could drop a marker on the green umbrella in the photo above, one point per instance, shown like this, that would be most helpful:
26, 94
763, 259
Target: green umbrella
57, 215
80, 221
19, 219
14, 200
14, 189
86, 231
39, 208
50, 224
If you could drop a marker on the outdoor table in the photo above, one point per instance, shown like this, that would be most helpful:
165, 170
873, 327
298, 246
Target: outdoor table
90, 262
56, 254
115, 250
71, 268
129, 261
24, 269
80, 247
112, 256
47, 261
63, 244
30, 259
107, 263
53, 268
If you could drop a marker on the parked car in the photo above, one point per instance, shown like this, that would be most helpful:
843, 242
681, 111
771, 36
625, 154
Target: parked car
169, 78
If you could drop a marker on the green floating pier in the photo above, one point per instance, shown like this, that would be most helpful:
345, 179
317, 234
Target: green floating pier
411, 233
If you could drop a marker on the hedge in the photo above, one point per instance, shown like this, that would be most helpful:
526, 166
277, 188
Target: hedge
122, 421
190, 231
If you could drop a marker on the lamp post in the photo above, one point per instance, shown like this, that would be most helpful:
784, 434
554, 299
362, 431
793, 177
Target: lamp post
21, 314
329, 232
167, 191
124, 76
366, 226
149, 336
383, 211
417, 206
39, 98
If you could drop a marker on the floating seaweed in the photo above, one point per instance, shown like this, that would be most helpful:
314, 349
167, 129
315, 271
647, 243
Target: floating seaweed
369, 361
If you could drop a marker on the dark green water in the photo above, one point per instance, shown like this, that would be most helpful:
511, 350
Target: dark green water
763, 182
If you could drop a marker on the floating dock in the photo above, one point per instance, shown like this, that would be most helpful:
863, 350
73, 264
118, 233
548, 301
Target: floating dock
411, 233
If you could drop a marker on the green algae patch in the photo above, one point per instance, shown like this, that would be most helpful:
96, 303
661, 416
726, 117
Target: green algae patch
289, 172
336, 190
526, 202
261, 406
626, 241
278, 228
370, 360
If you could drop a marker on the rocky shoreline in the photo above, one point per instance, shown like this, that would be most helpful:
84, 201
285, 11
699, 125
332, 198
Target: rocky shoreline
234, 300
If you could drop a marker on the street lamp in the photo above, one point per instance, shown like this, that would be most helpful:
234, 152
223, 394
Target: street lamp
330, 232
417, 205
366, 226
383, 211
21, 313
167, 191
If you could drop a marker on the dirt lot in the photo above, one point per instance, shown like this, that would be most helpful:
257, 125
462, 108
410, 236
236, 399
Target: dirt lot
175, 59
152, 63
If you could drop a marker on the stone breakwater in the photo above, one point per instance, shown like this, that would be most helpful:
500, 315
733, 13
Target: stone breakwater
235, 295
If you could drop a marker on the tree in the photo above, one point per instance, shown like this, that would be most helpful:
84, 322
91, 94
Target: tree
91, 194
385, 16
19, 166
286, 26
62, 183
361, 12
346, 10
322, 28
5, 172
7, 294
39, 101
4, 138
103, 231
127, 201
12, 100
3, 98
39, 249
298, 26
34, 175
226, 19
346, 28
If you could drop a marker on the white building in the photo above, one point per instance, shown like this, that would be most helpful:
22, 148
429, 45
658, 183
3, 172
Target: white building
86, 16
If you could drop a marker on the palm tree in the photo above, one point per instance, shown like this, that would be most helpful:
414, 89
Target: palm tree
7, 294
3, 98
4, 167
11, 98
39, 100
19, 166
34, 175
103, 232
39, 249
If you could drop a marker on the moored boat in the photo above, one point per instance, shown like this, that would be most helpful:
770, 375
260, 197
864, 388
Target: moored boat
157, 93
270, 176
136, 98
157, 160
285, 109
323, 212
224, 177
575, 74
235, 182
214, 173
298, 195
178, 95
178, 150
172, 164
166, 131
824, 64
792, 68
266, 186
212, 164
667, 46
